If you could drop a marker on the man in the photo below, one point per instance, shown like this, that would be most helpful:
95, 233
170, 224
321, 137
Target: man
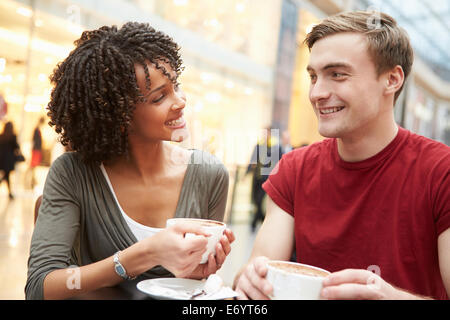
371, 203
265, 156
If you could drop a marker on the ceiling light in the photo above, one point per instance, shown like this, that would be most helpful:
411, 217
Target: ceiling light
240, 7
213, 97
229, 84
30, 107
42, 77
180, 2
206, 77
24, 12
198, 106
2, 64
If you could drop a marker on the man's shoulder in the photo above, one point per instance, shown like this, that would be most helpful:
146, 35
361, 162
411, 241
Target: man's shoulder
428, 148
311, 156
311, 151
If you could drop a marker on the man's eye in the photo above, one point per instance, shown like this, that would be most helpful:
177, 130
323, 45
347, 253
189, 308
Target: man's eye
313, 77
338, 75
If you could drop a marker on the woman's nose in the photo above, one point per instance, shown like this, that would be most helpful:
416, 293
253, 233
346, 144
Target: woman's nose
180, 100
178, 106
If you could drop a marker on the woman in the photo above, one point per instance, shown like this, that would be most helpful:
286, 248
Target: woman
116, 103
36, 151
9, 148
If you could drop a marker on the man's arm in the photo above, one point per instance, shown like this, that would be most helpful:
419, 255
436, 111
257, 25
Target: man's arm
275, 241
444, 258
363, 284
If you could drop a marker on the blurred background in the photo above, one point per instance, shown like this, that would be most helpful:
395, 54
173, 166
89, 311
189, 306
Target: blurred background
244, 71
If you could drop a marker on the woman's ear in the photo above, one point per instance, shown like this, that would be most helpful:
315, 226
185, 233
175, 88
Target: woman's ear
394, 80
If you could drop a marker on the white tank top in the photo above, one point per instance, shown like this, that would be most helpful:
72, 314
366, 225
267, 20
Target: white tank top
140, 231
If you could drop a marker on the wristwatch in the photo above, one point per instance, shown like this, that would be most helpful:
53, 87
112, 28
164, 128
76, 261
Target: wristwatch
120, 270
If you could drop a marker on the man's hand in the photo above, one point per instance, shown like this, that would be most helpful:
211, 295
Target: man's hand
252, 283
359, 284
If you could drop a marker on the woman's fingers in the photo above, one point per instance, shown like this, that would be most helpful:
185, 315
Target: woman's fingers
230, 235
185, 228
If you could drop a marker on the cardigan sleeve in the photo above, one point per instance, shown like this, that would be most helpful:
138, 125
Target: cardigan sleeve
217, 181
56, 227
218, 193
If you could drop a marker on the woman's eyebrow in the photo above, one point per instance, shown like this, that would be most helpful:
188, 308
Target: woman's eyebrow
156, 89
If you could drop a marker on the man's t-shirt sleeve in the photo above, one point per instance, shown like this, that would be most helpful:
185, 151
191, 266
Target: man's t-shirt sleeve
442, 200
280, 186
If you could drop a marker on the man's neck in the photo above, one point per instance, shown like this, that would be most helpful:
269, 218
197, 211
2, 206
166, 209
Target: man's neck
361, 147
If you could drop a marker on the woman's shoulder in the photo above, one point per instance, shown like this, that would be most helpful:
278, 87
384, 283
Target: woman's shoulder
209, 164
68, 162
204, 158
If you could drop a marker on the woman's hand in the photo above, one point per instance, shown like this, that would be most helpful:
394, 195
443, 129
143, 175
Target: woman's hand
223, 248
180, 255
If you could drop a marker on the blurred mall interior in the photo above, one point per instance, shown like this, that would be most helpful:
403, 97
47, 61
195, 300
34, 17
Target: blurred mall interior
244, 70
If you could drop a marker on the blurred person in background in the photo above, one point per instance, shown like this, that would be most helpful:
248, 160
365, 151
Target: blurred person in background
371, 203
265, 156
117, 103
9, 154
36, 150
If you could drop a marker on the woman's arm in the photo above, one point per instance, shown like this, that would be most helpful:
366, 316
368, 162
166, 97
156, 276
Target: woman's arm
167, 248
50, 274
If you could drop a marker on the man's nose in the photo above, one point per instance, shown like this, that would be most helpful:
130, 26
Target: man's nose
318, 91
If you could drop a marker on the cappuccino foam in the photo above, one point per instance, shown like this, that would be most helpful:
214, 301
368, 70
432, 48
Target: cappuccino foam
299, 269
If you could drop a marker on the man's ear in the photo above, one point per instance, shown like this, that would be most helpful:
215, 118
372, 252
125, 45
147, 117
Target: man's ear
394, 80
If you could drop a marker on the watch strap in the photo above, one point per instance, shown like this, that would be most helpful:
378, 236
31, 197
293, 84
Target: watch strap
119, 268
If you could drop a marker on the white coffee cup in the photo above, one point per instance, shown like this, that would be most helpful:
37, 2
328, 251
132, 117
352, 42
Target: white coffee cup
295, 281
213, 227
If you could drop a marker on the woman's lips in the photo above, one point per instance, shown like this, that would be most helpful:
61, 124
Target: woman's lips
176, 123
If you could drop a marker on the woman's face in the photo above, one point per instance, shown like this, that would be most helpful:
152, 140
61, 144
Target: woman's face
160, 117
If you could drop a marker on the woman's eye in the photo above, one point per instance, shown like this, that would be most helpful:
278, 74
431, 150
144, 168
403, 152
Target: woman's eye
159, 99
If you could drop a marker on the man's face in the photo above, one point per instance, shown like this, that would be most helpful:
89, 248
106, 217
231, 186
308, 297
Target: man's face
345, 91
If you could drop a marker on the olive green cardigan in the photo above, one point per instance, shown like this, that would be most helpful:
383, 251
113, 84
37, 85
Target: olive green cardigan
79, 221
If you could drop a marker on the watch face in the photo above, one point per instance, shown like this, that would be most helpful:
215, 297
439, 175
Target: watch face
120, 270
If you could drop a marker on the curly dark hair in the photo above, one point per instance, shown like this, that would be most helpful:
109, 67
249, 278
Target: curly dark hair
95, 88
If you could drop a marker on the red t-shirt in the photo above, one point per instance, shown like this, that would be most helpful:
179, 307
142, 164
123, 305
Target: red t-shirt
384, 213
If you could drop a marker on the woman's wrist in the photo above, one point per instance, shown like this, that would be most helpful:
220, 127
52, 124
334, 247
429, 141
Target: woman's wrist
137, 259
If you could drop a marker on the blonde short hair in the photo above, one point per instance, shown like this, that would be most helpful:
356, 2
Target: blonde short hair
388, 43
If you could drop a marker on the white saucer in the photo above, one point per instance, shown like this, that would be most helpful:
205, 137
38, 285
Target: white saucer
180, 289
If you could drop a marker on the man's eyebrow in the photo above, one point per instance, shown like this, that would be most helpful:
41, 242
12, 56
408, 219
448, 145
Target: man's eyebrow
332, 65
